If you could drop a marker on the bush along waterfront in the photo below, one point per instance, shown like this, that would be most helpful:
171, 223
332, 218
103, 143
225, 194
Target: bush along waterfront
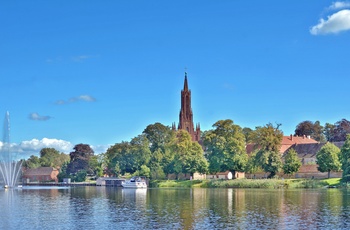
249, 183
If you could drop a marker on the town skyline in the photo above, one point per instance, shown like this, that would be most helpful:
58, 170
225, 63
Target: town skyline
99, 74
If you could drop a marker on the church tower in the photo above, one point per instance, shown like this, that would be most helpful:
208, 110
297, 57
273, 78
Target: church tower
186, 115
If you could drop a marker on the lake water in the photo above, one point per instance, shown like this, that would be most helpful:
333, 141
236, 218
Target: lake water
197, 208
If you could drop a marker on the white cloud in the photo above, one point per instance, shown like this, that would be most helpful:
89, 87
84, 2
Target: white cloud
25, 149
86, 98
99, 148
81, 58
37, 117
335, 23
339, 5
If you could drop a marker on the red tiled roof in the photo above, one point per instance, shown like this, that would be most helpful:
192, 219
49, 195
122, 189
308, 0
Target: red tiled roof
290, 140
287, 142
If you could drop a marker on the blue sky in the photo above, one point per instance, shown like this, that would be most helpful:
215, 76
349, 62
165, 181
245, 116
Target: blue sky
99, 72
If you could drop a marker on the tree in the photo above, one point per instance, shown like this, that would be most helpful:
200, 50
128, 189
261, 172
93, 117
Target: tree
267, 138
158, 135
95, 163
252, 164
140, 151
292, 162
328, 131
225, 147
188, 155
32, 162
79, 159
327, 158
308, 128
50, 157
247, 134
269, 161
345, 158
117, 158
160, 138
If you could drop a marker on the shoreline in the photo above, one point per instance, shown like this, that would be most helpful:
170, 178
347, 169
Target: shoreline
251, 183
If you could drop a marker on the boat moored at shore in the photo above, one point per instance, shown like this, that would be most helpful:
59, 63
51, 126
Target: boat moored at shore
135, 182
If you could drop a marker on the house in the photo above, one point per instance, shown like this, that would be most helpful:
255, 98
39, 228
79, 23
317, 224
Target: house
307, 154
307, 148
288, 141
42, 174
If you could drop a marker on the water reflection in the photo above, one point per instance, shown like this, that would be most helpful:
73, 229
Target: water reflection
100, 208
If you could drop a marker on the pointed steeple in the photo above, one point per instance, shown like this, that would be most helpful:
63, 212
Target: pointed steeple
185, 83
186, 115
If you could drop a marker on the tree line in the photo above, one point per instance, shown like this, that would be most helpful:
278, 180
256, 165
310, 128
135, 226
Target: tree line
159, 151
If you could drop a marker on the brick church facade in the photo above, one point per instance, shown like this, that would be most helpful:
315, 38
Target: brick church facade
186, 114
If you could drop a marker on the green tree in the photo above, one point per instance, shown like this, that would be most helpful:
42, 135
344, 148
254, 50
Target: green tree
95, 163
247, 134
160, 138
158, 135
328, 131
63, 172
128, 157
292, 162
143, 171
268, 138
345, 158
140, 152
50, 157
269, 161
32, 162
268, 141
252, 164
188, 155
327, 158
225, 147
117, 159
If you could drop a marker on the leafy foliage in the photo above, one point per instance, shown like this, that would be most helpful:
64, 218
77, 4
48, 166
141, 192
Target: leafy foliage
225, 147
267, 138
247, 134
158, 135
328, 158
252, 164
79, 159
32, 162
292, 162
345, 157
269, 161
338, 131
341, 129
188, 155
49, 157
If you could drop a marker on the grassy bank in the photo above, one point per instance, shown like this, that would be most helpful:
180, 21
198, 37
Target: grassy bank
247, 183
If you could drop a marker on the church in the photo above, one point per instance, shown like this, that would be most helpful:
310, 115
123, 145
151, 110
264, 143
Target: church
186, 114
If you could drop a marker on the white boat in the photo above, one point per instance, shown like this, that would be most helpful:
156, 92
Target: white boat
135, 182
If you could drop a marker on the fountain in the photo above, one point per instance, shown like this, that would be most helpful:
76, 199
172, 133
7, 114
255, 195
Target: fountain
10, 166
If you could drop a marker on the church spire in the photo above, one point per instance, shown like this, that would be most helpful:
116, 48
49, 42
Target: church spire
186, 115
185, 83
